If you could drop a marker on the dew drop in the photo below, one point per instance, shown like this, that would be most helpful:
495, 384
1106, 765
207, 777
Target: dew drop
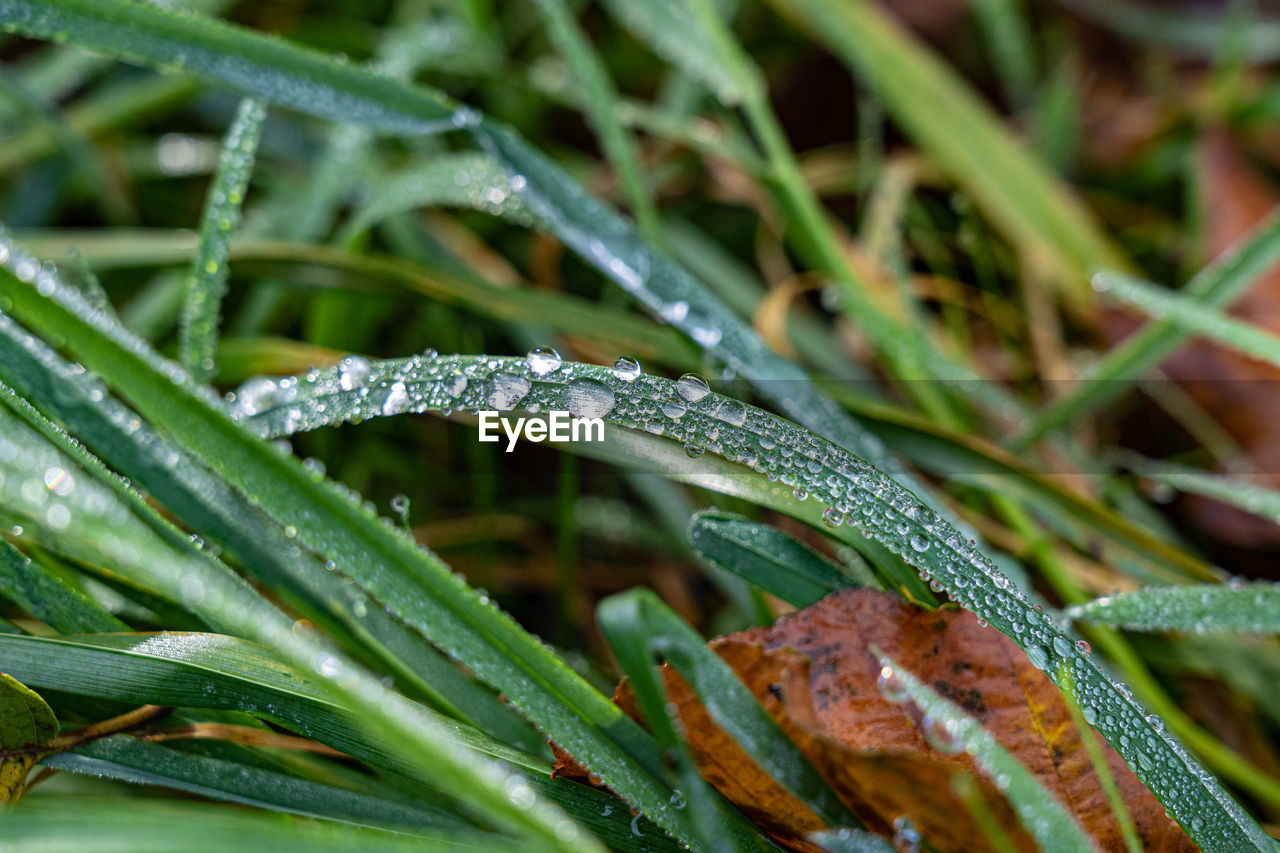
352, 372
832, 517
919, 542
693, 387
504, 391
627, 369
454, 384
693, 451
588, 398
543, 360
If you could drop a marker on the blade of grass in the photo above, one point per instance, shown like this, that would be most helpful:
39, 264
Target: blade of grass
1200, 609
224, 518
48, 598
767, 557
1251, 498
65, 824
599, 97
130, 759
1214, 286
1190, 317
207, 280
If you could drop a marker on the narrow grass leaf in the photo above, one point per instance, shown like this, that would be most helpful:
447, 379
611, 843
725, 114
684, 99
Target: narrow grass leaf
1250, 608
49, 598
465, 179
640, 613
952, 730
778, 563
130, 759
1234, 491
207, 280
67, 824
1191, 317
1215, 286
599, 99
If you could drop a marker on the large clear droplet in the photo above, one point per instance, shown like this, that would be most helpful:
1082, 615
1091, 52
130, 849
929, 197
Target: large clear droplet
693, 387
627, 369
588, 398
543, 360
504, 390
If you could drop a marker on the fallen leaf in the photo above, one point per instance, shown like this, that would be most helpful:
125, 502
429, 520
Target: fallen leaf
814, 673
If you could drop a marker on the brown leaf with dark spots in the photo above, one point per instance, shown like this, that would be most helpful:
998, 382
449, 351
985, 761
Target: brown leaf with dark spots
814, 673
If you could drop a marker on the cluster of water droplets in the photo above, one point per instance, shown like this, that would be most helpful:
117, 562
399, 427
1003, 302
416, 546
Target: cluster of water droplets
854, 493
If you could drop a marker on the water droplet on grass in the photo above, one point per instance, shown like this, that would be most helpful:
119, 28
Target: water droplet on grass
543, 360
627, 369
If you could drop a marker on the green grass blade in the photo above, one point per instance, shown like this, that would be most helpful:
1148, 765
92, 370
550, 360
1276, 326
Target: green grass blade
411, 581
270, 69
1190, 317
456, 180
49, 598
1214, 286
776, 562
961, 135
1241, 494
950, 729
130, 759
677, 36
66, 825
209, 506
1199, 609
207, 280
599, 98
863, 498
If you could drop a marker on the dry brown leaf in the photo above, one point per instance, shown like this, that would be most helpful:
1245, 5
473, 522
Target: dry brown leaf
814, 673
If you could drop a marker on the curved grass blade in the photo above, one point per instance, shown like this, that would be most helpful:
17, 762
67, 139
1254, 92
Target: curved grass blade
852, 490
952, 730
48, 598
1247, 496
130, 759
66, 825
410, 580
207, 280
1190, 317
1248, 608
1214, 286
270, 69
776, 562
217, 512
457, 180
321, 266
